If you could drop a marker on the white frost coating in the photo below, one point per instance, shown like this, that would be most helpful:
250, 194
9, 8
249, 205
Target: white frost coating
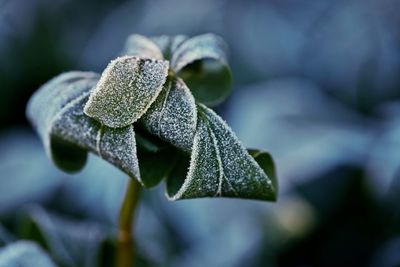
47, 102
173, 115
117, 146
205, 177
126, 89
202, 177
141, 46
220, 165
241, 170
206, 46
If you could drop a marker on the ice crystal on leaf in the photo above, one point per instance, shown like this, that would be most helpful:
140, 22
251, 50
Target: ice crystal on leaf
125, 90
173, 115
177, 139
220, 165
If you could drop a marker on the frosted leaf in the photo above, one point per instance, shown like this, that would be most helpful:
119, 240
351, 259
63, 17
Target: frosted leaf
141, 46
168, 44
266, 162
117, 146
56, 111
197, 48
126, 89
45, 105
220, 165
24, 254
241, 170
173, 115
55, 94
183, 141
201, 62
204, 175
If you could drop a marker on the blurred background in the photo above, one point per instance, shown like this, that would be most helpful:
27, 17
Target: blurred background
316, 83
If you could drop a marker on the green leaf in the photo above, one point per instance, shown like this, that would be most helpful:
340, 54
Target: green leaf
149, 143
201, 62
173, 115
219, 165
44, 107
126, 89
71, 243
266, 162
140, 46
155, 166
24, 254
68, 133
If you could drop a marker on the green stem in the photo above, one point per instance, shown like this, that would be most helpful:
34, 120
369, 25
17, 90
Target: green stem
125, 248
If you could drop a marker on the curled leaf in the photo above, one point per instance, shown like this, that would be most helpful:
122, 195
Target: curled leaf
173, 115
68, 133
266, 162
126, 89
44, 107
219, 165
201, 62
168, 44
140, 46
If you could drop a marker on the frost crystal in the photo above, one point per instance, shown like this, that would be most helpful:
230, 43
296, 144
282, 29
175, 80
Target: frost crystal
173, 115
242, 172
64, 119
220, 165
47, 103
117, 146
126, 89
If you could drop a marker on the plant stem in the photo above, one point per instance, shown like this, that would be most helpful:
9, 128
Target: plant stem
125, 247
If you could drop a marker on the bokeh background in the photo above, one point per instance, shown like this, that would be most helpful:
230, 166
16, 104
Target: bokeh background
316, 83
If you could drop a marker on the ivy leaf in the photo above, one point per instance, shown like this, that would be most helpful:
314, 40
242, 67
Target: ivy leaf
173, 115
201, 62
126, 89
24, 254
140, 46
68, 133
219, 165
